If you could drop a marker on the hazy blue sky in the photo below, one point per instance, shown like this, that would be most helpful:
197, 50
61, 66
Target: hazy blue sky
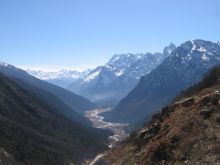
54, 34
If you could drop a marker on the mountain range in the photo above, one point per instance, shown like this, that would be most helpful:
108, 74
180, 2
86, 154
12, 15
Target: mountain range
185, 66
141, 84
61, 78
106, 85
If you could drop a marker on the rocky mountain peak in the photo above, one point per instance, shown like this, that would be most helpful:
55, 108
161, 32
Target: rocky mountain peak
199, 50
120, 57
4, 64
123, 61
62, 74
168, 49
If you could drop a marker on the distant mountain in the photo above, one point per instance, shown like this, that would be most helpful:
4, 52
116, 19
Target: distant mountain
107, 84
61, 78
185, 66
75, 102
34, 132
184, 132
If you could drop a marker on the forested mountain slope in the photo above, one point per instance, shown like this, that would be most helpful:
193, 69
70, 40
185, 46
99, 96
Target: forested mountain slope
34, 132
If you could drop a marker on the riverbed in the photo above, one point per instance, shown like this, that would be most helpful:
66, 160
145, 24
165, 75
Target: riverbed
98, 122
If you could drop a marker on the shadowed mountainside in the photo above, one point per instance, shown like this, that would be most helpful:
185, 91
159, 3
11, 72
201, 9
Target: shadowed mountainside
34, 132
75, 102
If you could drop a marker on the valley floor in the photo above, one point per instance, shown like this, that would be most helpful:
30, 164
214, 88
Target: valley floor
119, 133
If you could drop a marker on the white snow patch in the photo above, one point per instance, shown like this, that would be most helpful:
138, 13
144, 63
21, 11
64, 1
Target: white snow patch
92, 76
202, 49
188, 57
119, 73
169, 51
139, 56
115, 59
204, 57
193, 47
107, 66
210, 53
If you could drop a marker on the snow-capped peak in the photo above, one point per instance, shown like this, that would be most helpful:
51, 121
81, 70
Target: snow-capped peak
4, 64
62, 74
168, 49
194, 47
198, 50
115, 58
116, 66
121, 57
202, 49
113, 80
197, 45
92, 76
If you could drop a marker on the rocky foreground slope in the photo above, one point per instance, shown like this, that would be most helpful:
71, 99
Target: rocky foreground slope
185, 132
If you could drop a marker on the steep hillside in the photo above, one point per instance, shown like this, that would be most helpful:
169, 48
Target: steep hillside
185, 132
186, 65
107, 84
55, 102
33, 132
74, 101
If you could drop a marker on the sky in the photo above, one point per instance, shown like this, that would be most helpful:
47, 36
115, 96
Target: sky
73, 34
